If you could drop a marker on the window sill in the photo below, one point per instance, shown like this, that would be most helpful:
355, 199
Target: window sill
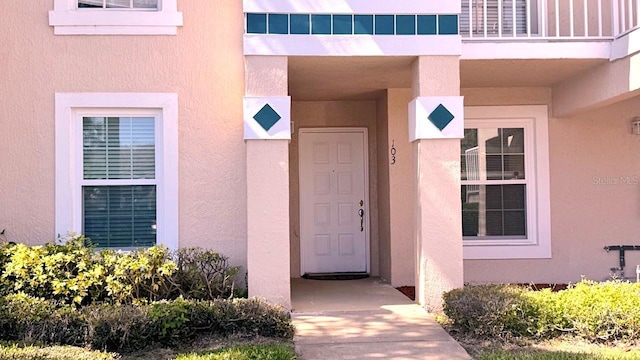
74, 22
489, 252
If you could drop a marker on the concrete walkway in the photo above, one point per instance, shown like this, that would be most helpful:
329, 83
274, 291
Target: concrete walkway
364, 319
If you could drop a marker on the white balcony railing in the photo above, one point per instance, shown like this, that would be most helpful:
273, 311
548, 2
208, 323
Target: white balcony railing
548, 19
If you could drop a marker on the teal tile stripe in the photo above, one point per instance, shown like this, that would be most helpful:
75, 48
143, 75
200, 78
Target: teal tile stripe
357, 24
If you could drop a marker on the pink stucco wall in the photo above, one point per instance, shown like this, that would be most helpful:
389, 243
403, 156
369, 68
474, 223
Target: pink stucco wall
203, 64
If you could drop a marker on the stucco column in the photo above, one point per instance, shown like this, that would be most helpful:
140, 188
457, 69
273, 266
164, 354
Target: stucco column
267, 181
438, 212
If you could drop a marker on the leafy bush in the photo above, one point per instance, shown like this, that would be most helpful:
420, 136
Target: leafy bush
14, 352
75, 273
204, 275
37, 320
66, 272
606, 311
492, 311
128, 327
118, 327
598, 312
170, 321
4, 258
139, 274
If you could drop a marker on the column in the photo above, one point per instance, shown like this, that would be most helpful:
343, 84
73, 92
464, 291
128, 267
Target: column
436, 125
267, 134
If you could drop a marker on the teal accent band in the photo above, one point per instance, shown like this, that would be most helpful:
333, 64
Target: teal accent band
278, 24
384, 24
405, 24
256, 23
300, 24
448, 24
357, 24
427, 25
363, 24
320, 24
343, 24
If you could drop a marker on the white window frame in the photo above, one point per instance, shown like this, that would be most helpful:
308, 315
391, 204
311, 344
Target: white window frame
534, 119
67, 19
69, 110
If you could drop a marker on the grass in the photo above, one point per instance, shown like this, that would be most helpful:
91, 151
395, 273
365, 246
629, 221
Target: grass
205, 349
560, 349
245, 352
612, 354
16, 352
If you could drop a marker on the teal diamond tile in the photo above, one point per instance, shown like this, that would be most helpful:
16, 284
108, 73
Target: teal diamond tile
267, 117
441, 117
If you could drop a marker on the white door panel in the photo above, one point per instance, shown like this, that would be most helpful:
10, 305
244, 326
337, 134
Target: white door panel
333, 235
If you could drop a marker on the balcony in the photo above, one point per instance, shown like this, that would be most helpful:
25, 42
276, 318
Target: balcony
474, 29
550, 20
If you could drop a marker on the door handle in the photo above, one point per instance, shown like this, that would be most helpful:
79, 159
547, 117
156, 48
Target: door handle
361, 213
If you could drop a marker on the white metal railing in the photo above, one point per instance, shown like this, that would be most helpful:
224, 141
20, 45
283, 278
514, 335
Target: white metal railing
548, 19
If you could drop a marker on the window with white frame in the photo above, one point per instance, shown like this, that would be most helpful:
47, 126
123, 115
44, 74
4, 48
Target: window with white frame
504, 179
115, 17
116, 168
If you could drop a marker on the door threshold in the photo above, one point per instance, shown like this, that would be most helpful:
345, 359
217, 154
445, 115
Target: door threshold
336, 276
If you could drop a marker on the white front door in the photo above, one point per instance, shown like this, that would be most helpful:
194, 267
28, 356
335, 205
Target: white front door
334, 200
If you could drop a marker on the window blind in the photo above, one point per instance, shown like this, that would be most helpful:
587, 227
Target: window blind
118, 4
120, 216
119, 148
494, 183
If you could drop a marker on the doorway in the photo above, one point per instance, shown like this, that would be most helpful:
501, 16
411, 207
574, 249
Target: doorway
334, 200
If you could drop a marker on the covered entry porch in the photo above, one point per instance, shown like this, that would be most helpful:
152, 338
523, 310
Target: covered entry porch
406, 218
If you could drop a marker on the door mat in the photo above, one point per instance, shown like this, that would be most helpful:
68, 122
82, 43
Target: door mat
335, 276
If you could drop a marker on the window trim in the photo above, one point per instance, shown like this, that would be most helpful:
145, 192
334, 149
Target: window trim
538, 243
69, 109
67, 19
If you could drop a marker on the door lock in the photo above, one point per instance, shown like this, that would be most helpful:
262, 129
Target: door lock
361, 213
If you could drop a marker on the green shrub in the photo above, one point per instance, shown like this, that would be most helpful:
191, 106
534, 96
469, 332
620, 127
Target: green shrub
598, 312
129, 327
74, 273
37, 320
66, 272
14, 352
4, 259
607, 311
491, 311
257, 317
119, 327
170, 320
203, 275
139, 274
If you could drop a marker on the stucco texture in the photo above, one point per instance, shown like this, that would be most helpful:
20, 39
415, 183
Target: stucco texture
212, 157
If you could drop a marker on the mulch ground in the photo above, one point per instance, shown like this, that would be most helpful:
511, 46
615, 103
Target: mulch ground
410, 291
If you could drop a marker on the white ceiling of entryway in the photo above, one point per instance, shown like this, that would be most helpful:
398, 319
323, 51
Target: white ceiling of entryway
365, 78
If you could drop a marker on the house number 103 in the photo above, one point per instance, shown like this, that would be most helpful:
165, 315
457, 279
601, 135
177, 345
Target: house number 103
393, 152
